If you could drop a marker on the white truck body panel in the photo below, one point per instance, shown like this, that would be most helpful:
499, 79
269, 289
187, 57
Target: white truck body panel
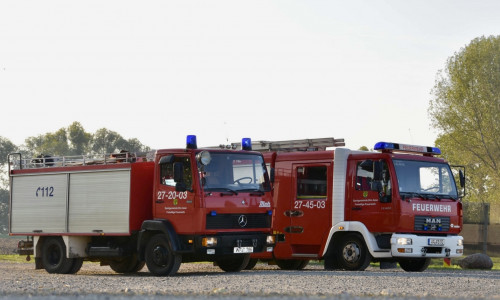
45, 213
71, 202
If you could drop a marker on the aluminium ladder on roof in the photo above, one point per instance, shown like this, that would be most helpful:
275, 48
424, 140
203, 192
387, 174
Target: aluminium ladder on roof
319, 144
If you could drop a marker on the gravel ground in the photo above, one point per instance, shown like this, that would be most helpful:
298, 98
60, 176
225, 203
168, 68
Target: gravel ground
204, 281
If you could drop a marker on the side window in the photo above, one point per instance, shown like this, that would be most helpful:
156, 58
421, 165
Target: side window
364, 175
311, 182
167, 172
374, 176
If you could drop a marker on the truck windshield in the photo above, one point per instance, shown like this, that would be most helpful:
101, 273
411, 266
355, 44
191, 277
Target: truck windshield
427, 180
235, 172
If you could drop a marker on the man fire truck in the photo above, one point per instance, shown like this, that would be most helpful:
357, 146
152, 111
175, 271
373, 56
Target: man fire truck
125, 211
348, 208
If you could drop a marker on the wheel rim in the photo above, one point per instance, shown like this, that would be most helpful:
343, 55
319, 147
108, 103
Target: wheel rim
160, 255
351, 253
54, 256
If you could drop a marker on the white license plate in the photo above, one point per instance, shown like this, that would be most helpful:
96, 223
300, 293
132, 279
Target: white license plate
243, 250
436, 242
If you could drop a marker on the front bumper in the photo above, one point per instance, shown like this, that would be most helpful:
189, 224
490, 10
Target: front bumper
411, 245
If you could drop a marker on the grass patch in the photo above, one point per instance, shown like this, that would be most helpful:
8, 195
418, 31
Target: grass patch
15, 258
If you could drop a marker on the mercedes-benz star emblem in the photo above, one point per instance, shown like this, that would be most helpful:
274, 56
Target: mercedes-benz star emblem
242, 221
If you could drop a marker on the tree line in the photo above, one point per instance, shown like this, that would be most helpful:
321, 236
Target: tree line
67, 141
465, 109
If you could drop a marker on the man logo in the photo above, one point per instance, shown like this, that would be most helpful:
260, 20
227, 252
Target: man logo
242, 221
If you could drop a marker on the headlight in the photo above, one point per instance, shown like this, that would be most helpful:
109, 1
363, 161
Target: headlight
270, 239
404, 241
460, 242
204, 157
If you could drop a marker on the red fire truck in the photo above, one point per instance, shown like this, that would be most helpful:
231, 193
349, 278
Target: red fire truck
348, 208
127, 211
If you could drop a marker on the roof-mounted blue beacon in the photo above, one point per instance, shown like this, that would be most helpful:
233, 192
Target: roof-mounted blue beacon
191, 142
246, 144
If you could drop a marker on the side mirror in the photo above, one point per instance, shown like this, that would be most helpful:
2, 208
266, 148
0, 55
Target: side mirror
180, 186
462, 178
378, 167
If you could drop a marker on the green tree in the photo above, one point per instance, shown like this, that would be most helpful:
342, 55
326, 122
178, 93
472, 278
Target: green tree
107, 141
6, 147
465, 109
50, 143
79, 139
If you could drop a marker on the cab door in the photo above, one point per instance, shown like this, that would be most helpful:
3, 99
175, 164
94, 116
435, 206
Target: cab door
175, 200
309, 209
370, 196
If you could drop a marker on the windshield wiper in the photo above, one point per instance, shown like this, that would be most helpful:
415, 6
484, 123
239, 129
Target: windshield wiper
253, 192
225, 191
228, 191
406, 195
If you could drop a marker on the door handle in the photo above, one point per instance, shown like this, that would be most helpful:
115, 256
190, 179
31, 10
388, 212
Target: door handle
160, 201
356, 208
294, 229
294, 213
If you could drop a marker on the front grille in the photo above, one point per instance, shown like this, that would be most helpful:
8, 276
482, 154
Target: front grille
234, 221
426, 223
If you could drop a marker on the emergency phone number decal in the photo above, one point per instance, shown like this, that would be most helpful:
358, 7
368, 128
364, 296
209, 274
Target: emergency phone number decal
172, 195
44, 191
310, 204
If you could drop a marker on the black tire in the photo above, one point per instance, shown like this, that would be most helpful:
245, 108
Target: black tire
77, 265
234, 263
54, 256
129, 264
352, 253
303, 264
252, 263
331, 262
160, 258
414, 264
291, 264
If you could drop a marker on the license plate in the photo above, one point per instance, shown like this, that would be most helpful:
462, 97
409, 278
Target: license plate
243, 250
436, 242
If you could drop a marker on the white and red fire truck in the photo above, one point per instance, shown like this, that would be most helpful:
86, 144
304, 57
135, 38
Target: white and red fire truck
348, 208
127, 211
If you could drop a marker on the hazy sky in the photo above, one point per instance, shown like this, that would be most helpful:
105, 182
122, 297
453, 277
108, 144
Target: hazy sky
223, 70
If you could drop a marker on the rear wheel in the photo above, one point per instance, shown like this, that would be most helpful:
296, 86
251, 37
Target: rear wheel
352, 253
292, 264
160, 258
414, 264
129, 264
54, 256
234, 263
77, 265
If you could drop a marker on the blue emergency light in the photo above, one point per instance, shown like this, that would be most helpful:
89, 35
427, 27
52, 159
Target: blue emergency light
246, 144
384, 146
191, 142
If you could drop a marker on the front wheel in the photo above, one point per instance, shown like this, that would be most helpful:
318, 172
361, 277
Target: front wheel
414, 264
129, 264
251, 263
352, 253
54, 256
233, 264
160, 258
292, 264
